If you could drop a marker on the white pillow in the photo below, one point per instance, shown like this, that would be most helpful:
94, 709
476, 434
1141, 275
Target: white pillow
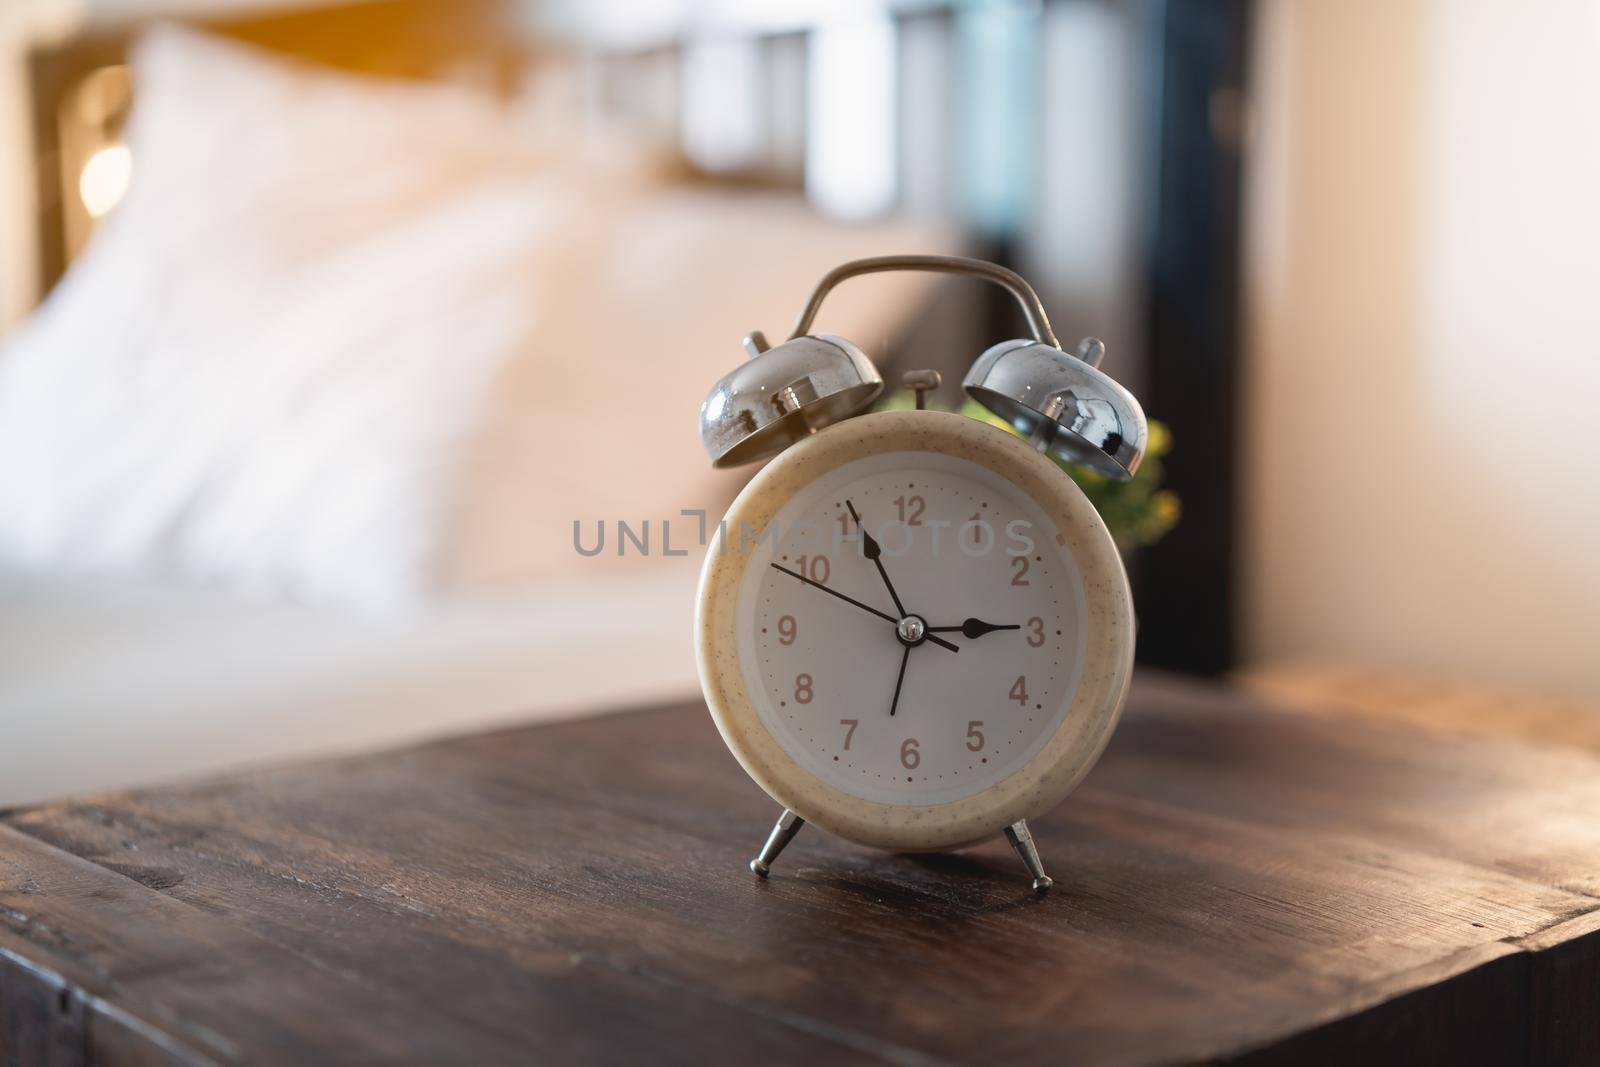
356, 342
269, 362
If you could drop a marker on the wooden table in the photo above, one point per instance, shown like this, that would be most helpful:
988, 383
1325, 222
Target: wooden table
1233, 882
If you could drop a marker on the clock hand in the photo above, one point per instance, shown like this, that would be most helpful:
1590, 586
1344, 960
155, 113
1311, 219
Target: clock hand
835, 592
904, 656
973, 628
874, 551
941, 642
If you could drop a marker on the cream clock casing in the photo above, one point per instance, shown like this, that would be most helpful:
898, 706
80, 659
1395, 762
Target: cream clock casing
1009, 654
803, 658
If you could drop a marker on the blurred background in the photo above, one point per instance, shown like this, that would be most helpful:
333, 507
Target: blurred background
322, 323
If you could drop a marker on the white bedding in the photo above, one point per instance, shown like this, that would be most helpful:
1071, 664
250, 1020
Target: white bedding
388, 344
109, 683
117, 668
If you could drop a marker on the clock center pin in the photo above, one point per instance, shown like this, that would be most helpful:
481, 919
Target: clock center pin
911, 630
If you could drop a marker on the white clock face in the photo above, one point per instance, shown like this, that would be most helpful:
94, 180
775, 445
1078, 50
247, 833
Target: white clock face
943, 694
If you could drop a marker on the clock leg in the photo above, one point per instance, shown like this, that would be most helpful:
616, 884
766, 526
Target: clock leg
788, 825
1021, 840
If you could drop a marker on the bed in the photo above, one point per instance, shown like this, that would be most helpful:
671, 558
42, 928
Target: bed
157, 621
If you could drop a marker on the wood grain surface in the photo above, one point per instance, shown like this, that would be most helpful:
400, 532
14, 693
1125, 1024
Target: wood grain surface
1233, 883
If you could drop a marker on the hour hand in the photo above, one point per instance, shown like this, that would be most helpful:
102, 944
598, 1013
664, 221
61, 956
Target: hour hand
974, 628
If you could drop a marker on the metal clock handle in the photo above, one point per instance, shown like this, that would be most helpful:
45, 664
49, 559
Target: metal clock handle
1011, 281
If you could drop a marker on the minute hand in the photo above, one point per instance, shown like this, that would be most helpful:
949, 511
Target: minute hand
873, 551
941, 642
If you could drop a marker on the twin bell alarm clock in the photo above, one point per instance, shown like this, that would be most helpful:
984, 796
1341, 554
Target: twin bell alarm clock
913, 629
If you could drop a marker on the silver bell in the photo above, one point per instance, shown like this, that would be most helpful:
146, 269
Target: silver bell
783, 394
1064, 404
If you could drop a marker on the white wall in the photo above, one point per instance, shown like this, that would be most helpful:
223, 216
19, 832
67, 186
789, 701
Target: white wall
1423, 399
